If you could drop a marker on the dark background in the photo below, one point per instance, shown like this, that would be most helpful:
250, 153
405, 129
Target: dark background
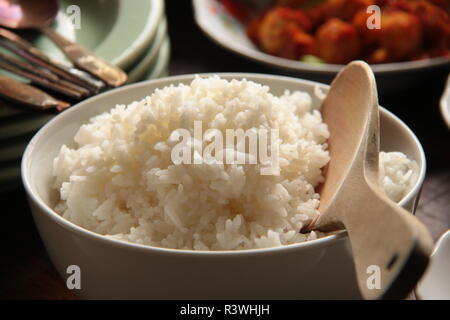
25, 269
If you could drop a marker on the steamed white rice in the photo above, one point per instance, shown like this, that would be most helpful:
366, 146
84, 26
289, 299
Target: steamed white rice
398, 174
119, 179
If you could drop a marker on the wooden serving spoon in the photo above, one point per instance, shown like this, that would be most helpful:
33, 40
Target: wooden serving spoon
385, 238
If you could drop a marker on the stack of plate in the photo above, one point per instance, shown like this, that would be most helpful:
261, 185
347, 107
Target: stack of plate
130, 34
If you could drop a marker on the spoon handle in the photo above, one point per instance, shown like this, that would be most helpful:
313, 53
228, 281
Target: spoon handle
85, 60
24, 94
391, 248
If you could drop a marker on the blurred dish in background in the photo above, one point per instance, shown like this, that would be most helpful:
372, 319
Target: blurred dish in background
337, 31
221, 24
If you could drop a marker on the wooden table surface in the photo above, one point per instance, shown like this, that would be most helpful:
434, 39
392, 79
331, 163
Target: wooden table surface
25, 269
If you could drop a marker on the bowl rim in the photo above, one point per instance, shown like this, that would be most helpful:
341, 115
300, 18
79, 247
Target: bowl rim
35, 199
150, 55
299, 66
138, 46
445, 103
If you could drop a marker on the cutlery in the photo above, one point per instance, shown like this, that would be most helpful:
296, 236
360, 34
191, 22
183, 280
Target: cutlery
42, 78
25, 14
43, 82
27, 95
24, 49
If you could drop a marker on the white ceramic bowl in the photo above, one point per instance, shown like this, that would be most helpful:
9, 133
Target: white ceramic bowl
113, 269
229, 33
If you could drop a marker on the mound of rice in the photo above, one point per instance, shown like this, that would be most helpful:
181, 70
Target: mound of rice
398, 174
120, 180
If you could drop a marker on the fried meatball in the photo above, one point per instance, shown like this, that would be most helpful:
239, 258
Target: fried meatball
436, 25
272, 29
401, 33
298, 43
338, 42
